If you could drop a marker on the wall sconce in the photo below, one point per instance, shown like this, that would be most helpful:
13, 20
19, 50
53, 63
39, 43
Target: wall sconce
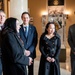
66, 13
66, 16
44, 13
44, 19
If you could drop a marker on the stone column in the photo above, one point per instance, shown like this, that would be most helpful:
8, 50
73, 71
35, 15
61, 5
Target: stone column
17, 7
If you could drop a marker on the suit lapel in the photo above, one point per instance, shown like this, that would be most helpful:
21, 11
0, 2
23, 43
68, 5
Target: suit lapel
29, 32
23, 31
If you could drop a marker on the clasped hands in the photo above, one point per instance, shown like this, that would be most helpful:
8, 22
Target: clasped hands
27, 53
30, 60
50, 59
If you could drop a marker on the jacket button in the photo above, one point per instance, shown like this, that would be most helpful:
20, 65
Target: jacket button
46, 43
53, 49
53, 43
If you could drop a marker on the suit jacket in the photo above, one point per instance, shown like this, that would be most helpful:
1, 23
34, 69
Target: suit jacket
0, 40
71, 39
13, 59
0, 44
31, 41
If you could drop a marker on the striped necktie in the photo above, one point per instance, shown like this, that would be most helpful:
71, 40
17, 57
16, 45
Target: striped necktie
26, 31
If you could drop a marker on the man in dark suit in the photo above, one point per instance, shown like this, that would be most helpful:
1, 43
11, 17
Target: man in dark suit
2, 20
71, 41
28, 34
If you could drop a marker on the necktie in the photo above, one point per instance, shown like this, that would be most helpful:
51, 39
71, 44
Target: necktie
26, 32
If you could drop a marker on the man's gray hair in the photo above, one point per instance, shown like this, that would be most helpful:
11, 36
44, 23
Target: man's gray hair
2, 11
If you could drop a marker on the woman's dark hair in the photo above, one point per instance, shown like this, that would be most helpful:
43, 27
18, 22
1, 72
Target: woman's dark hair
47, 25
11, 23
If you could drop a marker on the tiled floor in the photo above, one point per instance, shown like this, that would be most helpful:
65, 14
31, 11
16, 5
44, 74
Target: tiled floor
36, 66
64, 66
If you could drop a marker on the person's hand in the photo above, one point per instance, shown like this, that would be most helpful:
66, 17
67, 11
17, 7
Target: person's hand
48, 59
52, 59
30, 60
27, 52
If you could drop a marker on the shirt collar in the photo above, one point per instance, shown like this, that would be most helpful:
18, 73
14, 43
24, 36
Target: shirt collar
25, 25
1, 25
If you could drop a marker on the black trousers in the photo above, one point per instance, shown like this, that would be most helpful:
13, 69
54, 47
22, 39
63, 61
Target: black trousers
0, 67
72, 66
31, 69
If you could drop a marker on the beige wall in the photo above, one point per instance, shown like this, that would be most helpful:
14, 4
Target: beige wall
36, 7
5, 7
70, 6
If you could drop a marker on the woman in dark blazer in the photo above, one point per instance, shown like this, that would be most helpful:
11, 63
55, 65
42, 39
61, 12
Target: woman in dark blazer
13, 59
50, 48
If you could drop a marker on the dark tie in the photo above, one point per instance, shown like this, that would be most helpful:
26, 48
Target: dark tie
26, 32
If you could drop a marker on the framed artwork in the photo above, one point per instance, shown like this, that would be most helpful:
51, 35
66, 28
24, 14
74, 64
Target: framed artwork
1, 5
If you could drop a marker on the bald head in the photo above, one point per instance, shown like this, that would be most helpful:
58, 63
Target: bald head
2, 17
